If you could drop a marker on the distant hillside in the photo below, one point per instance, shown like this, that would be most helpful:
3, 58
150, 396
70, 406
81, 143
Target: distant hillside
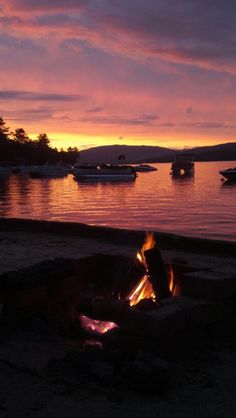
133, 154
222, 152
143, 153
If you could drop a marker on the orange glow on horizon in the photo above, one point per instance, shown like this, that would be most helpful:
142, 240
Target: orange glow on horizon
65, 140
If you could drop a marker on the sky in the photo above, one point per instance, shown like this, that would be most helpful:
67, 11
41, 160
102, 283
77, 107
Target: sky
135, 72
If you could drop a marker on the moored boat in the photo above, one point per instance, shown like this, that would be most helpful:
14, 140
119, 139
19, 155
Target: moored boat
229, 174
47, 171
104, 172
144, 168
183, 165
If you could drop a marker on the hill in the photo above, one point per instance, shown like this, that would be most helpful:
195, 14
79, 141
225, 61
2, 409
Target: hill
221, 152
132, 153
144, 153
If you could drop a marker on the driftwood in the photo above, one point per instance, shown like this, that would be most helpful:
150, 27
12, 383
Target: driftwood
157, 273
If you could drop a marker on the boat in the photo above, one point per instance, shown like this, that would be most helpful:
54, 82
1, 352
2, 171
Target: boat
183, 165
229, 174
144, 168
47, 171
103, 172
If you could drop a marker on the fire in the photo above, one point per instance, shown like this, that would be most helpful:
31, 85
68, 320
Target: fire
94, 325
171, 277
143, 290
148, 244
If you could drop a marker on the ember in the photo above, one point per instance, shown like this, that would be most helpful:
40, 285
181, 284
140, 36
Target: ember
96, 326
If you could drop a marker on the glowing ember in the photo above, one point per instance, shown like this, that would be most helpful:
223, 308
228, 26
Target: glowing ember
94, 325
143, 290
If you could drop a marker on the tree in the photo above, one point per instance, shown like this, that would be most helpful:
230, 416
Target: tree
72, 154
20, 136
43, 140
4, 131
72, 149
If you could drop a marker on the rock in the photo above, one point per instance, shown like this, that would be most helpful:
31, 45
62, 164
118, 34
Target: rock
212, 285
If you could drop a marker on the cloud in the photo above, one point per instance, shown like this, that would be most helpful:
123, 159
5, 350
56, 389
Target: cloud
45, 5
189, 109
26, 115
95, 110
146, 120
34, 96
210, 125
199, 33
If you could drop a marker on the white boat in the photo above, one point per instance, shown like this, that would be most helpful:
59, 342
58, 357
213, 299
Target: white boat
229, 174
144, 168
47, 171
103, 172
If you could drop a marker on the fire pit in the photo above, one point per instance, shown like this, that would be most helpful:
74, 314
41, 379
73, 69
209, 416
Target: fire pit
124, 312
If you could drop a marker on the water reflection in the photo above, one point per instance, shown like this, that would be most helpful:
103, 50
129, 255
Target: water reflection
229, 183
201, 205
104, 181
5, 202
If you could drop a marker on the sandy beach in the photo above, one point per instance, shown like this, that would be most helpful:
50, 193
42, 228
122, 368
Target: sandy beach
202, 379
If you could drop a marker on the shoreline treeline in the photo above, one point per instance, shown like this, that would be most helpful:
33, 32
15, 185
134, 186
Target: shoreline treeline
18, 148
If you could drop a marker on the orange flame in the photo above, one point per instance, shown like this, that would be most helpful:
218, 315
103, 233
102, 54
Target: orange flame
147, 245
171, 278
143, 290
144, 287
94, 325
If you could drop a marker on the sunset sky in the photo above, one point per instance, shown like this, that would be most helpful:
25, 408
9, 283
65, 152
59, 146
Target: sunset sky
98, 72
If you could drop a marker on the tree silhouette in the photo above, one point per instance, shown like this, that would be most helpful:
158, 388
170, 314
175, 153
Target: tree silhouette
20, 136
4, 131
43, 140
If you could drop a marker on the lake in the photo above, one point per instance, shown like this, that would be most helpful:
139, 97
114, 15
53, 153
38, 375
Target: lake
201, 206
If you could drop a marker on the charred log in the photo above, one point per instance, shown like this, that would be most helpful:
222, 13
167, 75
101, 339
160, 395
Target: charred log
157, 273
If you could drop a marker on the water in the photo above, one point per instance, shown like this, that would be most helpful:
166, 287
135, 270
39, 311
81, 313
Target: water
201, 206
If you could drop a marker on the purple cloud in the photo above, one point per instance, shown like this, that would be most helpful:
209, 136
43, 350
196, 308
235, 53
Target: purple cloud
28, 95
199, 32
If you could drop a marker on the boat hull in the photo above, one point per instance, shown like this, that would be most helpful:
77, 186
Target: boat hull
47, 171
104, 173
229, 174
144, 168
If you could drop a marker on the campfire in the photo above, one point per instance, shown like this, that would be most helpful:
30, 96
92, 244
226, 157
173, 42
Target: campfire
156, 283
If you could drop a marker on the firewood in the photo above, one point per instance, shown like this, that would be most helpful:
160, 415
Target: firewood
157, 273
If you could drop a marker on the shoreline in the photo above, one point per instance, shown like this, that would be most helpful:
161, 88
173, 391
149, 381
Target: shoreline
119, 235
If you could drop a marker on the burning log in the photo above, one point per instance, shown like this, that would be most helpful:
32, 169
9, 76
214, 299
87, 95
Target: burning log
157, 273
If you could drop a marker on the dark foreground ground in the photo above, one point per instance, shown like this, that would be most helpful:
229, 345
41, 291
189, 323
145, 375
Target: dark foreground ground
203, 378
